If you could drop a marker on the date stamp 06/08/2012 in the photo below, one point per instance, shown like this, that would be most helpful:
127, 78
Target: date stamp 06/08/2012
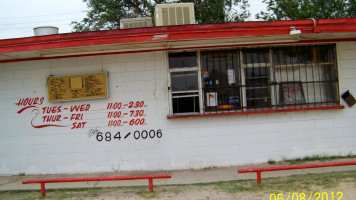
304, 196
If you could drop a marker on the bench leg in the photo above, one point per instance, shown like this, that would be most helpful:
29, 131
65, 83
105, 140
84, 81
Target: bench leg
150, 184
259, 179
43, 189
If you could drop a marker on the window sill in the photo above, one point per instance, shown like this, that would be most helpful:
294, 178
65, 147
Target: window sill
255, 112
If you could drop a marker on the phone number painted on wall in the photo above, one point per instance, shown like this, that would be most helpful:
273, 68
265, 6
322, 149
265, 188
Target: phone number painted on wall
109, 136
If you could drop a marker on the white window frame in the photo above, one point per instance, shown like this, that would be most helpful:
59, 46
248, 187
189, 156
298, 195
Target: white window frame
243, 78
185, 69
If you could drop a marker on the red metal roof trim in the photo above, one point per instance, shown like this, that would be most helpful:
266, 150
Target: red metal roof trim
175, 49
184, 32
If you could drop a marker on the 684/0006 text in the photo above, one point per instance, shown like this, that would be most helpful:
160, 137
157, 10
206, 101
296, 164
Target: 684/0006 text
136, 134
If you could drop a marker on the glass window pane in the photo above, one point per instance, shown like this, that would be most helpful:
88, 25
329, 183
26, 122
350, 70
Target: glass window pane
221, 80
254, 56
325, 54
186, 105
220, 68
306, 75
292, 55
180, 60
257, 72
257, 76
258, 94
259, 103
182, 81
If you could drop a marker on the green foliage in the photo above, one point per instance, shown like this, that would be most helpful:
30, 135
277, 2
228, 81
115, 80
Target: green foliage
271, 162
106, 14
219, 11
305, 9
317, 157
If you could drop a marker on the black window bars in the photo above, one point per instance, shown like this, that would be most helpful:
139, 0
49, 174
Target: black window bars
269, 78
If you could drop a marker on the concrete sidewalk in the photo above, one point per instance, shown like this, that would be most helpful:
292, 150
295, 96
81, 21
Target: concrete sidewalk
178, 177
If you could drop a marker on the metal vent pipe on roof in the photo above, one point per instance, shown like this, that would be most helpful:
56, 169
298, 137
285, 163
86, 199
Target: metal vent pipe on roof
45, 30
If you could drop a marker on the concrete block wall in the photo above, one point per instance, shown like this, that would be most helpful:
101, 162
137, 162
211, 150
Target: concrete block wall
185, 143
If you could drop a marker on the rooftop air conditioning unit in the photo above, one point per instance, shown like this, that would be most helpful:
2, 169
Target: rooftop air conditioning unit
174, 14
136, 23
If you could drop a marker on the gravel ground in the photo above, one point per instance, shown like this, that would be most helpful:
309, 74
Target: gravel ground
347, 188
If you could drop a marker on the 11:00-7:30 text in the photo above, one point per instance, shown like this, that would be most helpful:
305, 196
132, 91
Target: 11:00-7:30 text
118, 114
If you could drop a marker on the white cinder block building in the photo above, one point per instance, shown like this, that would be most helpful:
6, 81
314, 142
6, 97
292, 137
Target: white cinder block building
177, 97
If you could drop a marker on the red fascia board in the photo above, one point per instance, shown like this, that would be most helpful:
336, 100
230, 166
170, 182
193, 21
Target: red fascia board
136, 35
336, 21
183, 32
175, 49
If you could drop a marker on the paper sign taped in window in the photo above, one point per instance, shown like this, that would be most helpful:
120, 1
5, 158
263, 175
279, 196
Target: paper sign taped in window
212, 99
231, 76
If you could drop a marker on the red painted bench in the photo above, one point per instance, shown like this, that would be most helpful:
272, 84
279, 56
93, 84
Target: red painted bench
86, 179
264, 169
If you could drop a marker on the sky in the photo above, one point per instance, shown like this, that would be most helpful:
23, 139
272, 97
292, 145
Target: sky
19, 17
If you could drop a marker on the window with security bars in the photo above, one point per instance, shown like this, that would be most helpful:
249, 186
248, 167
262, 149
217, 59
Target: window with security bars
221, 80
256, 78
306, 76
237, 80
